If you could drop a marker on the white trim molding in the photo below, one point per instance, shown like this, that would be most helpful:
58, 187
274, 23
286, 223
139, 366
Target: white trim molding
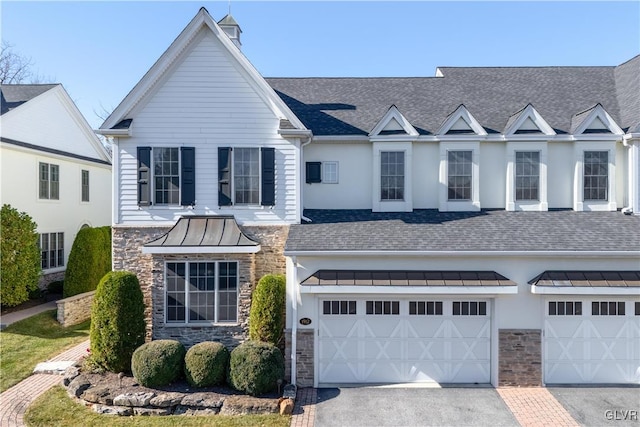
525, 116
200, 249
461, 113
379, 205
579, 204
526, 205
446, 205
409, 290
575, 290
395, 121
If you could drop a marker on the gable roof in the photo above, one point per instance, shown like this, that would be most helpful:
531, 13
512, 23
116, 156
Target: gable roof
202, 19
13, 96
484, 231
352, 106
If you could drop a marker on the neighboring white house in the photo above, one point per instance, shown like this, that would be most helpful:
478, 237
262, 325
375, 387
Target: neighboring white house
462, 228
53, 167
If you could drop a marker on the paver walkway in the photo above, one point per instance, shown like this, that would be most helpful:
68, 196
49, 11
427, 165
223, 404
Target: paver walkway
536, 407
14, 401
304, 412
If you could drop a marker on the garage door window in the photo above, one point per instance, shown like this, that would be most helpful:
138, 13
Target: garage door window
339, 307
383, 307
425, 308
469, 308
607, 308
565, 308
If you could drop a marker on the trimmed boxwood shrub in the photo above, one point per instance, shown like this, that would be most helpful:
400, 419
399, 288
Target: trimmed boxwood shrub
266, 319
89, 260
255, 368
206, 364
158, 363
55, 287
19, 257
117, 321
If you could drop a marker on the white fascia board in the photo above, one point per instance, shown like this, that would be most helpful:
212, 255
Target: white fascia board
461, 112
200, 249
392, 138
630, 138
295, 133
394, 114
599, 112
336, 139
118, 133
574, 290
35, 151
530, 112
409, 290
470, 254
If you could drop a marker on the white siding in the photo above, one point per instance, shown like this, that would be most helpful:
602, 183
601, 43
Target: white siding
19, 177
493, 175
206, 101
426, 167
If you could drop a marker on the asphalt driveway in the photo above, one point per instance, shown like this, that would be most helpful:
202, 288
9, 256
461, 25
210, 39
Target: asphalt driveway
375, 406
601, 406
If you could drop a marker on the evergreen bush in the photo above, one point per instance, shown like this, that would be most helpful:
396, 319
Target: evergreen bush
206, 364
117, 321
255, 368
19, 257
89, 260
267, 316
158, 363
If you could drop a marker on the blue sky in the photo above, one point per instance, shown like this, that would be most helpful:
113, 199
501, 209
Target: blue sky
100, 50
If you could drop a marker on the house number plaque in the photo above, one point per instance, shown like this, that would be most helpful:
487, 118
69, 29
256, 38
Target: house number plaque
305, 321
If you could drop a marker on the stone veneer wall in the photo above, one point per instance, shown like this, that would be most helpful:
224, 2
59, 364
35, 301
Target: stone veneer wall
304, 357
520, 357
127, 255
75, 309
45, 279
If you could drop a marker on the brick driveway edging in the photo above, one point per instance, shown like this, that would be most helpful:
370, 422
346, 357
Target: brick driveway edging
304, 412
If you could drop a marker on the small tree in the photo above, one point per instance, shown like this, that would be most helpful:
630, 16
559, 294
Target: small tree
89, 260
266, 320
20, 257
117, 321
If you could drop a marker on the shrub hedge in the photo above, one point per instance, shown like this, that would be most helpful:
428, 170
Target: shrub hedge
206, 364
255, 368
19, 257
89, 260
267, 316
158, 363
117, 321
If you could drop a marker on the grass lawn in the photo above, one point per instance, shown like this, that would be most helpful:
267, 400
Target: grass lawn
55, 408
26, 343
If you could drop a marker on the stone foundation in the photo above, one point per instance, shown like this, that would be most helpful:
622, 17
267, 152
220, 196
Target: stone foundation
75, 309
127, 255
304, 357
520, 358
45, 279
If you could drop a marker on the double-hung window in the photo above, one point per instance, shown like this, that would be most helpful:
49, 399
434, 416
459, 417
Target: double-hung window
459, 174
391, 175
166, 176
246, 176
51, 250
201, 292
596, 175
84, 176
49, 182
527, 164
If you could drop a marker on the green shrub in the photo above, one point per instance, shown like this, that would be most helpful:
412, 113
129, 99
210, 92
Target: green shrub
55, 287
89, 260
206, 364
19, 256
255, 368
158, 363
266, 319
117, 321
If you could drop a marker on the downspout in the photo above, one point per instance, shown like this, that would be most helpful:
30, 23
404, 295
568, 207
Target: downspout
294, 320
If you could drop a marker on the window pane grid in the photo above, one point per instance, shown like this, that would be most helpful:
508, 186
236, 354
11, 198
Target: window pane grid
392, 175
527, 175
607, 308
51, 250
460, 167
330, 172
166, 176
565, 308
246, 176
425, 308
85, 186
383, 307
469, 308
596, 175
339, 307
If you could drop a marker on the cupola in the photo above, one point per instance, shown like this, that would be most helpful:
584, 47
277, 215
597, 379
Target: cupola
231, 29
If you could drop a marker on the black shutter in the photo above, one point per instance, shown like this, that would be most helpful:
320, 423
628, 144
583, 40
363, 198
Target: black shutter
268, 177
188, 176
314, 172
144, 175
224, 176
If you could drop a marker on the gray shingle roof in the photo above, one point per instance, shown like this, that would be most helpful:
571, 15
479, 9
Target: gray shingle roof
352, 106
592, 279
499, 230
405, 278
12, 96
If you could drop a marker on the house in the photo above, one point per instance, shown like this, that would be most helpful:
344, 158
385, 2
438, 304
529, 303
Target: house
53, 167
469, 227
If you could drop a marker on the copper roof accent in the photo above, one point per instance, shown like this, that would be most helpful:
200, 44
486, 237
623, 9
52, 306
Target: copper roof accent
202, 231
406, 278
593, 279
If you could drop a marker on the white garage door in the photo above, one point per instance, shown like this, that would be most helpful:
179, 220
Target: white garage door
401, 340
592, 341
